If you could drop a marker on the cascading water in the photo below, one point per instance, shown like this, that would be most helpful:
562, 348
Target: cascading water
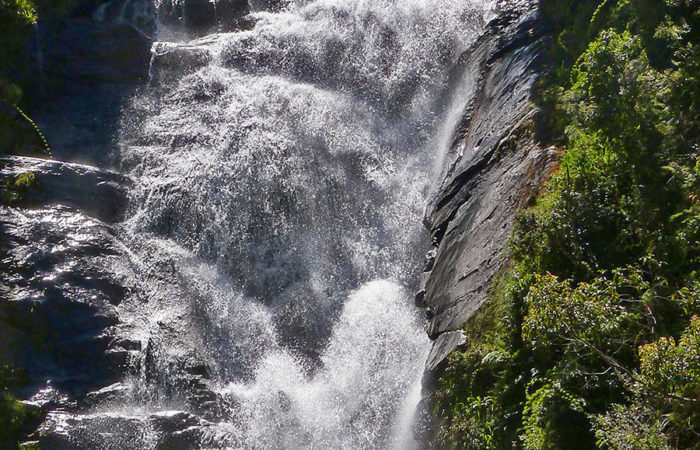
280, 175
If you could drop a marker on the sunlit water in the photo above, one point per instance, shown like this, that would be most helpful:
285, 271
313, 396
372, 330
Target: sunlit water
283, 181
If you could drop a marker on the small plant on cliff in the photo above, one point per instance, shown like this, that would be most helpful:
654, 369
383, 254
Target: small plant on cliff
15, 188
14, 415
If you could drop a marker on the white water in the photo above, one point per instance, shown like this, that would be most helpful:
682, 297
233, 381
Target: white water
284, 182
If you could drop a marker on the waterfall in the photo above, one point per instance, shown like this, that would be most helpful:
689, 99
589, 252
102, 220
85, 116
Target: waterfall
280, 176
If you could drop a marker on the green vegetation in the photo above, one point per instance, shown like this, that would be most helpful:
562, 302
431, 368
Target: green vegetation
591, 336
15, 188
14, 415
18, 133
16, 19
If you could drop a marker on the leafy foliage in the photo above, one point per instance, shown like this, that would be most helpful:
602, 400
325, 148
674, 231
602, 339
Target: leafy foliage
16, 19
18, 133
15, 188
669, 378
14, 415
550, 418
594, 324
631, 427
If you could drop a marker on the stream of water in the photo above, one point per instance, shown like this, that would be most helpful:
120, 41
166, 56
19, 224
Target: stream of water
280, 176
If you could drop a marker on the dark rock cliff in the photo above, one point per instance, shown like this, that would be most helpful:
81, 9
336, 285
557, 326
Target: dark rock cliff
87, 62
58, 280
494, 167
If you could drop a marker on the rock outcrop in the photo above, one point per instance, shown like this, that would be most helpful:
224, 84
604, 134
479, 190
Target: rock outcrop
74, 316
494, 167
59, 278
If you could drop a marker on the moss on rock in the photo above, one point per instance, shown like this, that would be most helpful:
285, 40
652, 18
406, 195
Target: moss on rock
16, 188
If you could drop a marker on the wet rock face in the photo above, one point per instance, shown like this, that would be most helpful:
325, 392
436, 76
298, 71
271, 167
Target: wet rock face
198, 17
88, 62
99, 194
493, 169
169, 430
171, 61
74, 314
58, 279
72, 310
